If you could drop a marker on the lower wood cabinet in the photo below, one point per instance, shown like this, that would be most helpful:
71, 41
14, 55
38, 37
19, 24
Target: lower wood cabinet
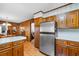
67, 48
18, 50
6, 53
12, 49
59, 50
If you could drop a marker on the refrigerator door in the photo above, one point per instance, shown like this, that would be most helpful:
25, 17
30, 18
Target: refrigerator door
47, 42
47, 27
47, 38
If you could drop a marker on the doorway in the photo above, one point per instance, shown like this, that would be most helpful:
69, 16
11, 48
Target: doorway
32, 32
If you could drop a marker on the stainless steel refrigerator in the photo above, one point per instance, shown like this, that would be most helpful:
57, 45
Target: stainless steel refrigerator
47, 38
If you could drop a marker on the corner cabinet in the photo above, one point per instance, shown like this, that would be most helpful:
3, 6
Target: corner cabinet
12, 49
67, 48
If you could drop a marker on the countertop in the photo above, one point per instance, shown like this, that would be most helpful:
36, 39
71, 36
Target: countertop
11, 39
72, 35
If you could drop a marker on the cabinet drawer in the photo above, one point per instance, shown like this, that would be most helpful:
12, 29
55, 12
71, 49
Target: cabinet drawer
17, 42
72, 43
5, 46
61, 42
58, 41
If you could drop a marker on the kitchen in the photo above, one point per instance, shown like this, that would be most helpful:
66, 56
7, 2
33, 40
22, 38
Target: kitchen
15, 34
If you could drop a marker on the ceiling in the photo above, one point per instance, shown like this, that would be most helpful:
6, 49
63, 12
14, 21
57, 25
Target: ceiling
19, 12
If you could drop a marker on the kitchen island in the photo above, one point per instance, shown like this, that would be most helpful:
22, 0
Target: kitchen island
12, 46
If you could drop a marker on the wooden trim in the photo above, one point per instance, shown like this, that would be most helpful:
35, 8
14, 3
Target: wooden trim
30, 30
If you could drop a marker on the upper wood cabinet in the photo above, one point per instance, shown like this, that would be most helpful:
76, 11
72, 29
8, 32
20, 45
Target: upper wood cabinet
61, 21
68, 20
72, 19
13, 29
50, 18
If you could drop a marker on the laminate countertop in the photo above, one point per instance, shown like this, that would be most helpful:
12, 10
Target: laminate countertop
11, 39
68, 35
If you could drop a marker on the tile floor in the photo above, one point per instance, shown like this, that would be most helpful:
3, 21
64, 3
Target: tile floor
30, 50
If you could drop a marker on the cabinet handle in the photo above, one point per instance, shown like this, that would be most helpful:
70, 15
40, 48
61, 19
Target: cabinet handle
68, 46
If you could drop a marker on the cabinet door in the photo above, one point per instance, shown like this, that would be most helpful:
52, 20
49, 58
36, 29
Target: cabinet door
72, 19
73, 51
62, 48
74, 48
18, 50
6, 53
59, 50
61, 21
67, 48
59, 47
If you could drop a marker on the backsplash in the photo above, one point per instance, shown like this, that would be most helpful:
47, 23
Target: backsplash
67, 30
68, 33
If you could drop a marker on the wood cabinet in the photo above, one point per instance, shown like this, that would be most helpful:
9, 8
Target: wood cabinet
18, 49
72, 19
60, 47
13, 29
68, 20
61, 21
67, 48
12, 49
6, 49
6, 52
58, 50
26, 25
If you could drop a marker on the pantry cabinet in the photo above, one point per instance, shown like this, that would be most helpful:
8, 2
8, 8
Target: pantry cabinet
67, 48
